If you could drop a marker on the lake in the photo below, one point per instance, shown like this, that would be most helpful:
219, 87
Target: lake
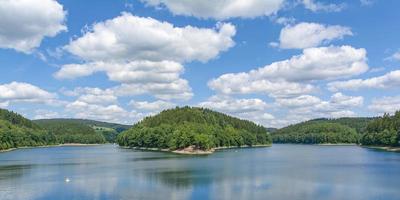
279, 172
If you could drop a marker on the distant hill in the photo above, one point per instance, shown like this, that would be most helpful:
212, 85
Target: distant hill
71, 131
190, 126
320, 131
358, 123
108, 130
17, 131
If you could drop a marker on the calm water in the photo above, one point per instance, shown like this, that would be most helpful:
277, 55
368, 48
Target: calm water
280, 172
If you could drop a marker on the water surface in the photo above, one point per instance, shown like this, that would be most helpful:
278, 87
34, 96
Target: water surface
280, 172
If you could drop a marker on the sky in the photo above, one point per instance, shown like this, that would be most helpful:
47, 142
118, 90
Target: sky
274, 62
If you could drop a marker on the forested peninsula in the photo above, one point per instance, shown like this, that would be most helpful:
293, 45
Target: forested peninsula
193, 130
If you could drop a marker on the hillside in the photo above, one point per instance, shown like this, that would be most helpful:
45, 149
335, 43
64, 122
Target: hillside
383, 131
197, 127
108, 130
71, 131
17, 131
316, 132
358, 123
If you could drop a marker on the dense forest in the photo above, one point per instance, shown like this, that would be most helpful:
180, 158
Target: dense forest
190, 126
108, 130
17, 131
316, 132
71, 132
383, 131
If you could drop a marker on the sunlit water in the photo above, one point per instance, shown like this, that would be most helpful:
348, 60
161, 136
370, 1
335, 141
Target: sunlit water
286, 172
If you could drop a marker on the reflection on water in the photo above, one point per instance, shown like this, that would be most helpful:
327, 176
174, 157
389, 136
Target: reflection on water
280, 172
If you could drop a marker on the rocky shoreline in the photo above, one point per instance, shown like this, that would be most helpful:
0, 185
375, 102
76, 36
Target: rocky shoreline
47, 146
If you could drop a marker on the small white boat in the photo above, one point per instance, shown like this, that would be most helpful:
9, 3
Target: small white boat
67, 180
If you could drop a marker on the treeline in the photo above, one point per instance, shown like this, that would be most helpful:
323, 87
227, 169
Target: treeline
190, 126
72, 132
108, 130
383, 131
316, 132
17, 131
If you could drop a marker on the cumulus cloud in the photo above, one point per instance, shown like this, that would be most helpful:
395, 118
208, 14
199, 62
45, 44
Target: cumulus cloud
305, 35
319, 6
219, 9
308, 107
151, 106
108, 113
129, 37
284, 78
395, 56
24, 23
145, 55
250, 109
15, 92
389, 80
385, 105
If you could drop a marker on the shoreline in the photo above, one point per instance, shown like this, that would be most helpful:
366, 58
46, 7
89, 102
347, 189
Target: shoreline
49, 146
193, 151
383, 148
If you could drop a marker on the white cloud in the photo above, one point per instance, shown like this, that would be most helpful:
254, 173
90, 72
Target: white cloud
308, 107
108, 113
340, 100
15, 92
179, 89
24, 23
250, 109
219, 9
151, 106
46, 114
129, 37
300, 101
366, 2
395, 56
145, 55
283, 78
389, 80
385, 105
305, 35
318, 6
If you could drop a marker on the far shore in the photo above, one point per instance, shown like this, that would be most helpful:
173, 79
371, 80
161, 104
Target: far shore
48, 146
391, 149
195, 151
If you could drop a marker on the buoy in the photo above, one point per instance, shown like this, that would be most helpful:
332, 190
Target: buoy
67, 180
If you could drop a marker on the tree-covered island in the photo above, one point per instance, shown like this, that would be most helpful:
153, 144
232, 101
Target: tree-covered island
193, 130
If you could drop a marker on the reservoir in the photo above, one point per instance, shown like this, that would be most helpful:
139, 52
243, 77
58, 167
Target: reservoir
280, 172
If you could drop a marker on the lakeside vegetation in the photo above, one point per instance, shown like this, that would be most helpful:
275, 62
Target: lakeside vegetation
378, 131
108, 130
383, 131
316, 132
72, 132
191, 126
17, 131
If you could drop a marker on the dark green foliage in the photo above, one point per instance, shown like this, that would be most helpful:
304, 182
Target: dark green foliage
108, 130
182, 127
358, 123
17, 131
383, 131
316, 132
72, 132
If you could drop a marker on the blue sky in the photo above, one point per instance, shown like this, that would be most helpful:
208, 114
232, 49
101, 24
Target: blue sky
275, 62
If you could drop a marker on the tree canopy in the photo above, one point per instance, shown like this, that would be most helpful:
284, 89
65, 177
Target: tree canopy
17, 131
316, 132
383, 131
190, 126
